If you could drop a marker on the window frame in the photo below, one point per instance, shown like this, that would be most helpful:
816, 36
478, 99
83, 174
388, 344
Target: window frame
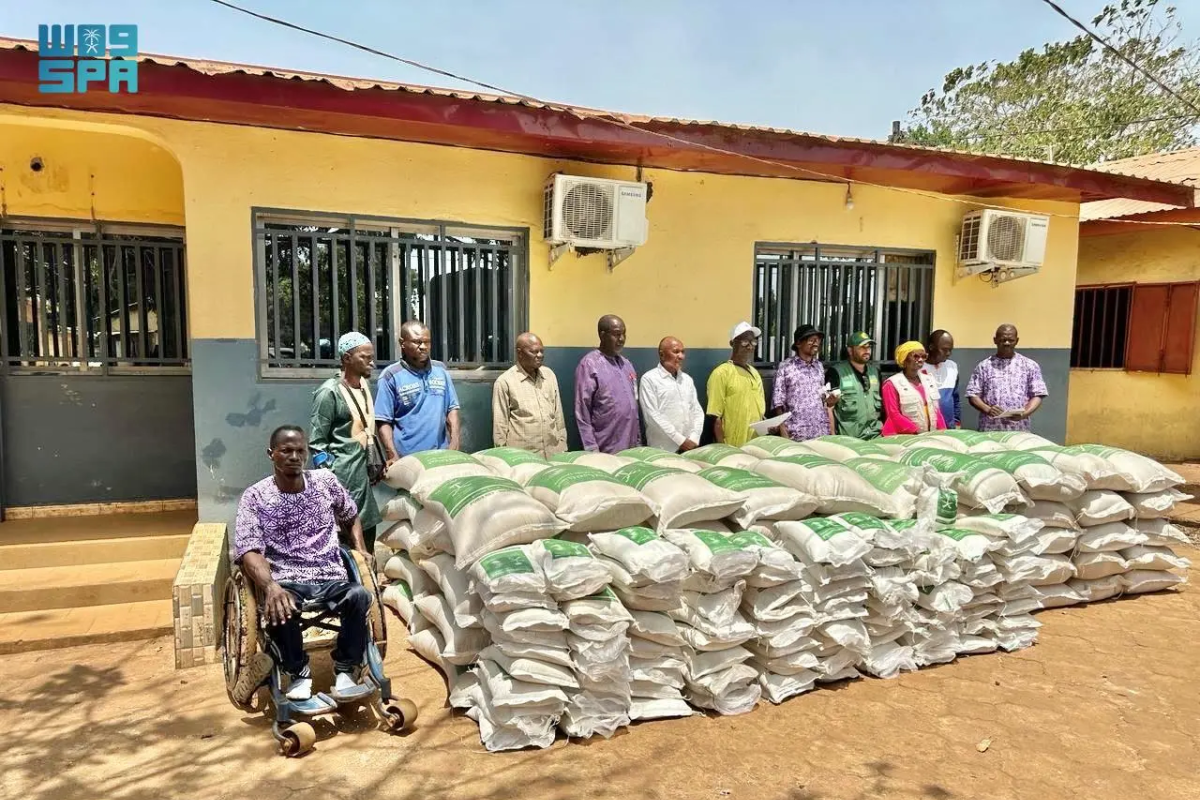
519, 310
831, 346
1133, 286
103, 228
1123, 346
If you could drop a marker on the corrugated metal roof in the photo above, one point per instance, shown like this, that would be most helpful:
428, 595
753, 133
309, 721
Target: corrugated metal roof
207, 67
1179, 166
695, 145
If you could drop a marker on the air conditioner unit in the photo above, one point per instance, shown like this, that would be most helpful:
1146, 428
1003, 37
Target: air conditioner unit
1008, 244
594, 214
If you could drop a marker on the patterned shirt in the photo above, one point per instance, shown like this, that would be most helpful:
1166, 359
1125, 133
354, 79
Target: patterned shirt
1008, 384
797, 389
297, 532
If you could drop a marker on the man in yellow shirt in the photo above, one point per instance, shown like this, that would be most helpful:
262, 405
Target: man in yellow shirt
735, 390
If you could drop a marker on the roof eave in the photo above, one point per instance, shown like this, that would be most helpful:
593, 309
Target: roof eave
1142, 223
179, 91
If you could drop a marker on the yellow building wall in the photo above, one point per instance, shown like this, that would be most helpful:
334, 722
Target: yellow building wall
1153, 414
86, 173
692, 279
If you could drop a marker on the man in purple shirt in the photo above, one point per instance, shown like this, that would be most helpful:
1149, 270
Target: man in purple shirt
799, 388
606, 401
1006, 388
286, 540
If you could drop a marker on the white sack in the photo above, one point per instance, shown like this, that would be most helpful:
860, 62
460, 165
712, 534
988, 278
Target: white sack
587, 499
485, 514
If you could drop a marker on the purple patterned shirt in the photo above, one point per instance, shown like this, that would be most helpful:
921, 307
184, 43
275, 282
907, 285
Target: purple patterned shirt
296, 532
797, 388
1009, 384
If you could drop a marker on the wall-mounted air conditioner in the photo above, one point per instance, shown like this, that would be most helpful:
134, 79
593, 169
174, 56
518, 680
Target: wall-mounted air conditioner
594, 214
1007, 244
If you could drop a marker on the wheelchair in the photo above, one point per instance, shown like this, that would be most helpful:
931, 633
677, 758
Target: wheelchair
254, 680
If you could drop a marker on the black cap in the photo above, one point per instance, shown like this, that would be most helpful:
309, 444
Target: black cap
805, 331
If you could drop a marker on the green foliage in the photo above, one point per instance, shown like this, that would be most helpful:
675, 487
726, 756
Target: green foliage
1073, 102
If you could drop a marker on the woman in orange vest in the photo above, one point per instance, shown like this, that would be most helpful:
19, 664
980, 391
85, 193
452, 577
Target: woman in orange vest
910, 397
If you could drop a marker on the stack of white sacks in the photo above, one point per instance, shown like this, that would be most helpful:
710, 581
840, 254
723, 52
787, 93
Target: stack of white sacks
834, 581
1123, 538
583, 593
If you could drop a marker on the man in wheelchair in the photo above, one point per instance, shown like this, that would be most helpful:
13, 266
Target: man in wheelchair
287, 542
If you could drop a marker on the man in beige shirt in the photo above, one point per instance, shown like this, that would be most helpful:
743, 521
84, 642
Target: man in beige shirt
527, 410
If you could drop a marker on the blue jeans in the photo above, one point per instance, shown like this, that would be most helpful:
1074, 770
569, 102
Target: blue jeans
350, 600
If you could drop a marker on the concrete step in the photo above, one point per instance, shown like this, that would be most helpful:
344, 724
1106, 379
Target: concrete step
92, 551
95, 526
42, 588
25, 631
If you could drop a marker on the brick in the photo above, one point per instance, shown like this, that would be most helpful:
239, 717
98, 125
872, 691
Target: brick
198, 595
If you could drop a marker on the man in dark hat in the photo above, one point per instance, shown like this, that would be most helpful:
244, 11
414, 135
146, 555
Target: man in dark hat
800, 388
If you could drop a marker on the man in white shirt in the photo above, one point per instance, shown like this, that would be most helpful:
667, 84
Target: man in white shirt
674, 418
944, 372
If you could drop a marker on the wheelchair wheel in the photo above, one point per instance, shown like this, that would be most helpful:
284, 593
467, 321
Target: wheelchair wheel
376, 616
297, 739
240, 641
400, 714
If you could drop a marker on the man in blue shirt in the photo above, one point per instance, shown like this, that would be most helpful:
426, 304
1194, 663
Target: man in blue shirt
417, 408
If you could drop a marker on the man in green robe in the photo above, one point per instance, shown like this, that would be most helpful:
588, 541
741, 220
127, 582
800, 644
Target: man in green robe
859, 411
343, 427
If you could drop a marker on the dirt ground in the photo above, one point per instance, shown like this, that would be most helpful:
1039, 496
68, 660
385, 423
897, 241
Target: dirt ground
1104, 706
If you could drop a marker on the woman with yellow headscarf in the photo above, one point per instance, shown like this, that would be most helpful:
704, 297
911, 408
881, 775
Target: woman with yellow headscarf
910, 397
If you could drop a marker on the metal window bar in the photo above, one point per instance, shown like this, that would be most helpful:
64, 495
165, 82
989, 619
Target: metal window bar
74, 299
1101, 327
467, 287
840, 290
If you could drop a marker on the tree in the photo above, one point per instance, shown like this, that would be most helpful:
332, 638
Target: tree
1073, 102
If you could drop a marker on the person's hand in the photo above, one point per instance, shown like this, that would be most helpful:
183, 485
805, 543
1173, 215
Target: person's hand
454, 444
688, 444
831, 400
776, 431
278, 603
995, 411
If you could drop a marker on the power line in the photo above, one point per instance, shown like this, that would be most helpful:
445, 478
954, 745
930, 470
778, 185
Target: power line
366, 49
1122, 56
606, 117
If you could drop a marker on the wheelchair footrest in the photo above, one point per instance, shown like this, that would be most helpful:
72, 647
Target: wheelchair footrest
320, 703
356, 695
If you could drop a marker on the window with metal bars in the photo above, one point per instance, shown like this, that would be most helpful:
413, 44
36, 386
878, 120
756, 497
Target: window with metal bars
1137, 327
101, 299
320, 276
1101, 327
840, 290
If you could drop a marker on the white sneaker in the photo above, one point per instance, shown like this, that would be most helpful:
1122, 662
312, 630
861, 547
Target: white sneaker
344, 682
301, 689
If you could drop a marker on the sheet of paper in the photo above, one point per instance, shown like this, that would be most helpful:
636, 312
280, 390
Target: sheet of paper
762, 427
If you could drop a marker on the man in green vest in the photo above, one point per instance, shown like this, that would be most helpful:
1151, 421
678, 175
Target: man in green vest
859, 412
